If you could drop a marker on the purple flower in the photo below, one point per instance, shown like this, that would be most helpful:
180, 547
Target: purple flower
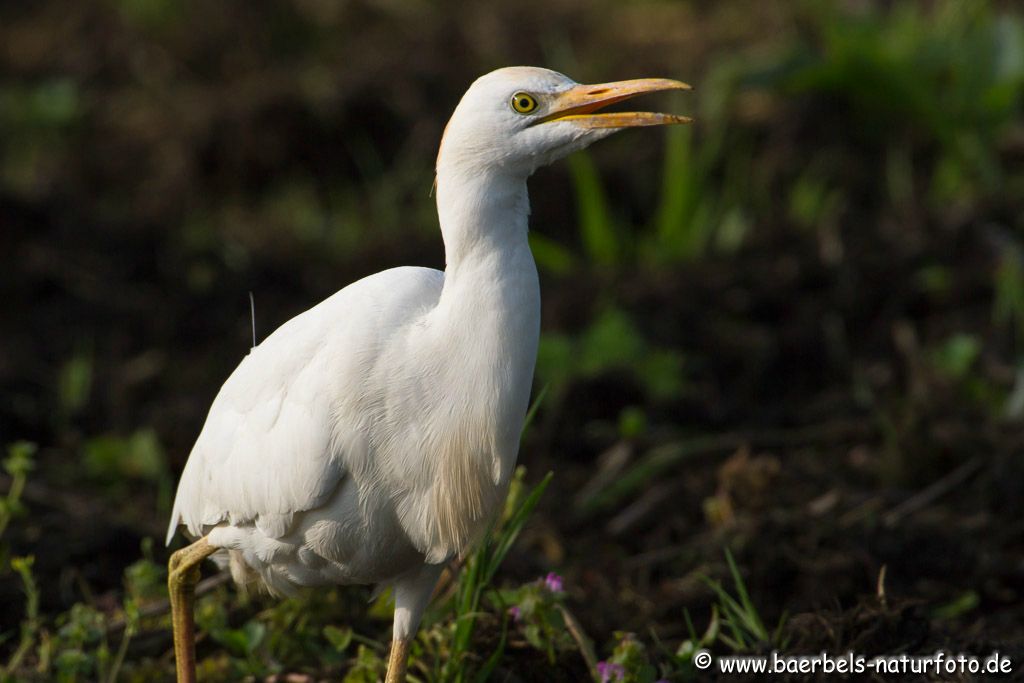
610, 672
553, 582
516, 613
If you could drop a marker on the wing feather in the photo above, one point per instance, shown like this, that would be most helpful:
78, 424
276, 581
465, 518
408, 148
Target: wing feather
280, 433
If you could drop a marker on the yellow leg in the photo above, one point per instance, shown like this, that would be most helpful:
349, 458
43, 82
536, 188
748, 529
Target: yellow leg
182, 577
397, 662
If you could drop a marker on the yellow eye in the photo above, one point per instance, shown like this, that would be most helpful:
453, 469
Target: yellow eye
523, 102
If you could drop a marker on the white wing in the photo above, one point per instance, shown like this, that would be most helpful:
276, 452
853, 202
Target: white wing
275, 439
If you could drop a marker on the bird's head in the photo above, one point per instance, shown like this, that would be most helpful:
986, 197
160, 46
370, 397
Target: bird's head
517, 119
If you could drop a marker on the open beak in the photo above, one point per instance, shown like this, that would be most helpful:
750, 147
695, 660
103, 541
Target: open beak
578, 104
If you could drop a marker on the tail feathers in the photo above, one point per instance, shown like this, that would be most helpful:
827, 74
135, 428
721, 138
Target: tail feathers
172, 528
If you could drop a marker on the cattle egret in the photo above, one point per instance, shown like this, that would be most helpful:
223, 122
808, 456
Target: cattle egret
371, 438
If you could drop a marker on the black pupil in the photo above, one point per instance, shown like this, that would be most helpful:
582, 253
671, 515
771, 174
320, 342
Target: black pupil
524, 103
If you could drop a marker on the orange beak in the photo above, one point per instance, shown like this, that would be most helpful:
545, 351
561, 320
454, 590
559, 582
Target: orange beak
578, 104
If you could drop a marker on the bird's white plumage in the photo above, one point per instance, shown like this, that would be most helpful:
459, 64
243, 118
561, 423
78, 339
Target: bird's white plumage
278, 441
371, 438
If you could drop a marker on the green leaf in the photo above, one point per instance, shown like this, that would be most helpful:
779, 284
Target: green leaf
963, 604
74, 384
600, 239
957, 355
611, 341
551, 256
340, 638
681, 233
138, 456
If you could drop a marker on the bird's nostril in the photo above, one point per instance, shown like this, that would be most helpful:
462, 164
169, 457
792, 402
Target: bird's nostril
599, 91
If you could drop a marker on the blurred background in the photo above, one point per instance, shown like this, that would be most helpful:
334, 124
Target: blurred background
793, 331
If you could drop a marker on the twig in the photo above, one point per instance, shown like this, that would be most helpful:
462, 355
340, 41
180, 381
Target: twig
609, 465
933, 492
159, 607
637, 511
670, 456
880, 587
572, 624
78, 506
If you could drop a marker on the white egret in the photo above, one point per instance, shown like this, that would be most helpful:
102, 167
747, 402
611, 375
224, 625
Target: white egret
371, 438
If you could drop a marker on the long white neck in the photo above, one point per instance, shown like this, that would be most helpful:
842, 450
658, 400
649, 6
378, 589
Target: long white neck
489, 267
489, 310
482, 216
474, 356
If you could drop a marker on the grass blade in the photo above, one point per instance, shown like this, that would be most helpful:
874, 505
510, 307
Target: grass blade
600, 239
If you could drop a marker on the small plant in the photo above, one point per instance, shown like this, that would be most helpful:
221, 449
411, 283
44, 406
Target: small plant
478, 573
534, 610
1008, 306
114, 460
628, 663
611, 343
602, 243
735, 623
18, 463
949, 74
74, 385
31, 623
743, 628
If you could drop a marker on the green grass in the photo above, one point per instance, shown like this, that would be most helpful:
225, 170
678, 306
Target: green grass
18, 463
742, 628
87, 643
476, 578
942, 83
921, 104
258, 637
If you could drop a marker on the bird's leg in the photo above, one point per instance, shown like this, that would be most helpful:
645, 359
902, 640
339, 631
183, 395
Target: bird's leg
397, 661
412, 593
182, 576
